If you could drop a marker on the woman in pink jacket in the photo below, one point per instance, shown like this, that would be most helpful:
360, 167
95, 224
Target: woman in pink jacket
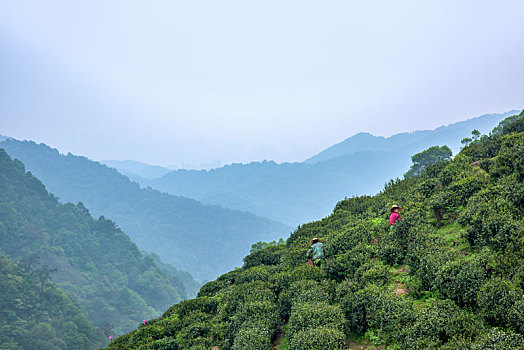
395, 216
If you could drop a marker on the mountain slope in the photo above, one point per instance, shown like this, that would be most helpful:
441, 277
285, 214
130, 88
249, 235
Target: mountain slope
204, 240
448, 276
38, 315
97, 264
294, 193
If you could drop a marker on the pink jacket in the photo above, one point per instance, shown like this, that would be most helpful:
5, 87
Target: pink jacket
393, 218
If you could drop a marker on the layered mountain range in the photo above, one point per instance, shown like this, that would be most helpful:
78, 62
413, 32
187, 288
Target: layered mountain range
294, 193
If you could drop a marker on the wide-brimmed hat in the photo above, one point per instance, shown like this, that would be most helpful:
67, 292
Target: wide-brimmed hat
394, 206
314, 240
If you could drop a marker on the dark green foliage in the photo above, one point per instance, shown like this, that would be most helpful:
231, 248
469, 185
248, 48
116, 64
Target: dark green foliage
437, 324
514, 123
40, 316
303, 291
321, 338
460, 280
267, 256
255, 320
368, 307
253, 336
427, 157
499, 340
314, 315
211, 288
496, 298
96, 263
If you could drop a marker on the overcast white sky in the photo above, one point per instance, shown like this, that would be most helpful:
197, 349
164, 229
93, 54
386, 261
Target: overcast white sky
172, 82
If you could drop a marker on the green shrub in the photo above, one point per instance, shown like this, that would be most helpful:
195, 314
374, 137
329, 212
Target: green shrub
515, 317
266, 256
374, 307
207, 305
496, 298
346, 264
437, 324
490, 220
321, 338
393, 246
263, 313
284, 279
460, 280
373, 272
429, 264
256, 273
350, 237
389, 313
302, 292
241, 294
314, 315
356, 306
253, 336
497, 339
348, 286
166, 344
211, 288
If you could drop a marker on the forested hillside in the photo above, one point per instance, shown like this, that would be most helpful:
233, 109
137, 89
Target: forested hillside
93, 261
295, 193
38, 315
204, 240
449, 275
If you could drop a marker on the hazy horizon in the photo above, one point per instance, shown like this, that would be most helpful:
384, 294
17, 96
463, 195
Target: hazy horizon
171, 83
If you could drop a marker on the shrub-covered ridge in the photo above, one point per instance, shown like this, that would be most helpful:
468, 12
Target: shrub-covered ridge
450, 275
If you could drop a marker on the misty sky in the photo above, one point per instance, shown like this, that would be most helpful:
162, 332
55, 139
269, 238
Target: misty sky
189, 82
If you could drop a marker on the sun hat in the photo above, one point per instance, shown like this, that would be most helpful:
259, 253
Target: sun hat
394, 206
314, 240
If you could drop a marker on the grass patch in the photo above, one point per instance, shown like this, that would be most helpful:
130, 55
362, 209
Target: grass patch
454, 236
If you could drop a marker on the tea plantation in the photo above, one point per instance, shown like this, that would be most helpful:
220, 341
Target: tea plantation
450, 275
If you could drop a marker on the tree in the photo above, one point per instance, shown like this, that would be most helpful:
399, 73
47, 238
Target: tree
427, 157
43, 274
466, 140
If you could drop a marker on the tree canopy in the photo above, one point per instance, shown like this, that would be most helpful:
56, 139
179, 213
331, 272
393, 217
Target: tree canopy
427, 157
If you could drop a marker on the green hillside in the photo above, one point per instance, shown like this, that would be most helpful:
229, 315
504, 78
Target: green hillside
203, 240
38, 315
96, 264
294, 193
450, 275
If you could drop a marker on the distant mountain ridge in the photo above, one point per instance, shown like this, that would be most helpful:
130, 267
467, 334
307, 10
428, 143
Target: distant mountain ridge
450, 135
131, 168
300, 192
204, 240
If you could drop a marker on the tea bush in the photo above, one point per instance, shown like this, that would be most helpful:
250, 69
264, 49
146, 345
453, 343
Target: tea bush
321, 338
357, 306
302, 292
314, 315
460, 280
252, 336
495, 298
437, 324
266, 256
497, 339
